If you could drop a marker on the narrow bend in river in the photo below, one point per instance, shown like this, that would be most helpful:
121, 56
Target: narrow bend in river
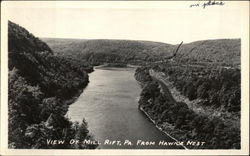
110, 106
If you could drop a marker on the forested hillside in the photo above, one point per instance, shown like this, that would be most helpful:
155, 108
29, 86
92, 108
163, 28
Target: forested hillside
41, 86
193, 103
224, 52
195, 95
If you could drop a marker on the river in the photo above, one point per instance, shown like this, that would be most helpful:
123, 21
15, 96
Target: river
110, 106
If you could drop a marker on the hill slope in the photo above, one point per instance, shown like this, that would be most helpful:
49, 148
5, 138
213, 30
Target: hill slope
192, 105
223, 51
39, 86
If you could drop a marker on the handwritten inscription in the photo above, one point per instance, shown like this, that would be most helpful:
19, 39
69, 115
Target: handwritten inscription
207, 3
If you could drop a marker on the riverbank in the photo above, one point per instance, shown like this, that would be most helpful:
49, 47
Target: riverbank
81, 89
232, 119
75, 97
178, 120
109, 104
142, 79
159, 127
113, 66
41, 86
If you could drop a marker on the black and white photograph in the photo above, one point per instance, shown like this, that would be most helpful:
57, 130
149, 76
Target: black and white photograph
121, 77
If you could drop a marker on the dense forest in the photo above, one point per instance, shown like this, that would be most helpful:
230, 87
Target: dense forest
101, 51
216, 86
193, 96
207, 90
41, 86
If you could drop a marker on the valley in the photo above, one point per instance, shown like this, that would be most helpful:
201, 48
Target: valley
103, 89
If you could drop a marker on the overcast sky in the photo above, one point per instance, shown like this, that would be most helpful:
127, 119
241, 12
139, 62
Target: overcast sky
164, 21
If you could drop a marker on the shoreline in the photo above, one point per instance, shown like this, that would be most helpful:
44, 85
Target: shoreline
75, 97
153, 121
159, 128
106, 66
80, 91
187, 131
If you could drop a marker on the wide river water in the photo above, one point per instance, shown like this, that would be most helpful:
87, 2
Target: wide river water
110, 106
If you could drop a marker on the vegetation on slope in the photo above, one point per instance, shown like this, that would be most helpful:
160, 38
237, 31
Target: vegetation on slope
224, 52
109, 51
206, 71
184, 123
39, 86
216, 86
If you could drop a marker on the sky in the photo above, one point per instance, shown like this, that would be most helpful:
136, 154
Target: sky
167, 22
